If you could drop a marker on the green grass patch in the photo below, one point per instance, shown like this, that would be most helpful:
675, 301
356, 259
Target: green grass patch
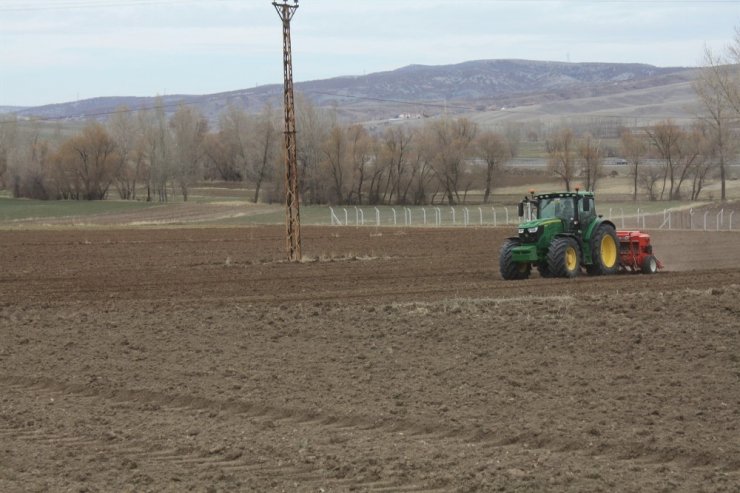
19, 209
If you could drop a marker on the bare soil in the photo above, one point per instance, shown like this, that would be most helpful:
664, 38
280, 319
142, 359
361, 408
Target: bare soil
390, 360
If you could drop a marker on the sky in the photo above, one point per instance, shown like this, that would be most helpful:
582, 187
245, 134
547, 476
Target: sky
54, 51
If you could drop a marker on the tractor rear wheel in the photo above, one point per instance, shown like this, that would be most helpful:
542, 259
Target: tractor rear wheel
649, 265
604, 252
509, 269
564, 257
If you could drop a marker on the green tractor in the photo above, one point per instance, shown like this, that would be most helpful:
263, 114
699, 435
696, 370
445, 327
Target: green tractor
561, 234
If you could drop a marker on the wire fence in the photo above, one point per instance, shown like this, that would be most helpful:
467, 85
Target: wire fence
449, 216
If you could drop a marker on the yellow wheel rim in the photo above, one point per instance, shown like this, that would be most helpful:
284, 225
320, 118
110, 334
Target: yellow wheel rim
571, 258
608, 251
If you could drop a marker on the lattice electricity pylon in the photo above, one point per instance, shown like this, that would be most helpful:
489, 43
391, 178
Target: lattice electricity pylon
293, 216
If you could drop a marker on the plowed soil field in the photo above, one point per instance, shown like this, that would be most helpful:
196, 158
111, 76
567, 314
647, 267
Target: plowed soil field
389, 360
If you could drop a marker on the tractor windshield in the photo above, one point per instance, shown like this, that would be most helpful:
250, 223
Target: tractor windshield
559, 207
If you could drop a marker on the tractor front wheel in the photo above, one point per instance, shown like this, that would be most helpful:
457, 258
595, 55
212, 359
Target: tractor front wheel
604, 252
511, 270
564, 257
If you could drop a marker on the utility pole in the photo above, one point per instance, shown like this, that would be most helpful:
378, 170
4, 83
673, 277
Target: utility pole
293, 217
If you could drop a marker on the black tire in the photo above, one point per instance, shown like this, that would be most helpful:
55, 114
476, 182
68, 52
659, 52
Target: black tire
509, 269
543, 269
604, 251
649, 265
564, 257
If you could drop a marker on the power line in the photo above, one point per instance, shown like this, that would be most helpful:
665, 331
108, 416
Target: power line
87, 4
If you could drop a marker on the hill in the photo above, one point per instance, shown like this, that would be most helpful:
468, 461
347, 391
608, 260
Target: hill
480, 86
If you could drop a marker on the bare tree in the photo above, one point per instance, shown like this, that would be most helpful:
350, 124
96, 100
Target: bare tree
395, 146
494, 149
719, 98
732, 91
8, 144
157, 148
234, 130
360, 149
706, 139
189, 128
591, 158
665, 137
335, 154
648, 177
30, 167
265, 149
378, 169
422, 164
633, 148
683, 153
219, 163
451, 142
312, 126
90, 158
561, 149
125, 133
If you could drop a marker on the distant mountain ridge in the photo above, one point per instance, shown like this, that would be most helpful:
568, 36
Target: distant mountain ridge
478, 85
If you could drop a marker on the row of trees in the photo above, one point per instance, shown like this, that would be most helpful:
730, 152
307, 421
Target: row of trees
150, 155
145, 152
145, 155
130, 153
665, 161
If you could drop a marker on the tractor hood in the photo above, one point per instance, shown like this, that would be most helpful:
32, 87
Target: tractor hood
536, 223
532, 231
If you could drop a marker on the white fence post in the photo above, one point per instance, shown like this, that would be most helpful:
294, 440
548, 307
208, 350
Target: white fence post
666, 219
454, 221
395, 218
334, 217
346, 217
438, 216
506, 209
377, 216
495, 222
362, 217
357, 216
480, 214
720, 218
691, 218
466, 216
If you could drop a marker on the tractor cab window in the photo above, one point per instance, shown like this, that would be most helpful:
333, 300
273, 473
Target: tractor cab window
559, 207
586, 216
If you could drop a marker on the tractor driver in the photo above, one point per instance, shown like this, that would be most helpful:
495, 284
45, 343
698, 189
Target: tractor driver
564, 209
567, 210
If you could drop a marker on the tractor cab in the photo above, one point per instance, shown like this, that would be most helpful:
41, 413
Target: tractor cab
573, 209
